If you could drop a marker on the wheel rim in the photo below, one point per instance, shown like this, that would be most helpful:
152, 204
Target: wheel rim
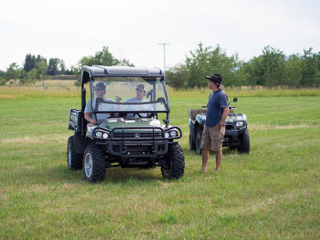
88, 165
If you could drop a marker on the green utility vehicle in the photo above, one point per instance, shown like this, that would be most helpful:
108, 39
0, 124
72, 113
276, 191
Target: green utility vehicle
127, 133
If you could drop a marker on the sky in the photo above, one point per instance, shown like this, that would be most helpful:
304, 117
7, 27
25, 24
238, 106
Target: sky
135, 29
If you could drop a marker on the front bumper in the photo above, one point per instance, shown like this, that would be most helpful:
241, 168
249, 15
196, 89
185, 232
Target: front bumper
230, 136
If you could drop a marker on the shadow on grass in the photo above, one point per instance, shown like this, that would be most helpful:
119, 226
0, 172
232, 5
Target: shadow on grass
113, 175
225, 150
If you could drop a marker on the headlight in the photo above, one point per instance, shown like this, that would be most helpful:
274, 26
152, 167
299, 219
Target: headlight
242, 117
239, 124
98, 134
173, 133
105, 135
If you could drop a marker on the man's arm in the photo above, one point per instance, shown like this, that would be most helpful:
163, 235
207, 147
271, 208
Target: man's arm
224, 116
87, 116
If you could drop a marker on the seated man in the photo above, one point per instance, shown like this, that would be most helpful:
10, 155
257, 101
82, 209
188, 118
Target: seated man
100, 91
141, 91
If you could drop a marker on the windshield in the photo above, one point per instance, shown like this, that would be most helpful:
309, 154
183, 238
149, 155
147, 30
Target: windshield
128, 96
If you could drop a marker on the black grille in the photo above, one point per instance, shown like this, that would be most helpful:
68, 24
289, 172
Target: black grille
133, 135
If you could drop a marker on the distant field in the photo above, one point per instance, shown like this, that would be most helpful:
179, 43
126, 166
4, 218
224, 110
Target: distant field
271, 193
66, 89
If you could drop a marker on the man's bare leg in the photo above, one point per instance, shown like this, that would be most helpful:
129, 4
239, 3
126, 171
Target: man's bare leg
205, 157
218, 159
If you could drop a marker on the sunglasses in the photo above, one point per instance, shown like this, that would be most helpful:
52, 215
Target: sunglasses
98, 89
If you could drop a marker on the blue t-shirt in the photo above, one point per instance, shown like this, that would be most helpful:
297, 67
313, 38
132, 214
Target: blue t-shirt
217, 101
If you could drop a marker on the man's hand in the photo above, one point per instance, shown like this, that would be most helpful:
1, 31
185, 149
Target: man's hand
93, 121
118, 99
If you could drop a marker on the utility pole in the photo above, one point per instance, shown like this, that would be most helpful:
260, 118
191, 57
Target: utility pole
164, 56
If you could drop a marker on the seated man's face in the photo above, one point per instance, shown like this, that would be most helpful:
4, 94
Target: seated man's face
140, 94
100, 93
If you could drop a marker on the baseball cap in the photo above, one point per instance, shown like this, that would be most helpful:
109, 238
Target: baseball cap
100, 86
141, 87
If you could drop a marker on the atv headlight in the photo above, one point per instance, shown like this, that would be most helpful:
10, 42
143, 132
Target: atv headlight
105, 135
242, 117
98, 134
173, 134
166, 135
239, 124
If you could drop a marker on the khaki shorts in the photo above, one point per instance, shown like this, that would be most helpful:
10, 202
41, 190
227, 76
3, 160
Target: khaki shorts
212, 138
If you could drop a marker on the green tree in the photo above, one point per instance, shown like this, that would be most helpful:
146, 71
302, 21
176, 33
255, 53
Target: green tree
310, 71
254, 72
29, 78
293, 69
178, 76
53, 67
29, 62
207, 61
40, 59
103, 57
268, 69
14, 73
273, 67
41, 72
125, 62
199, 66
61, 67
69, 72
2, 79
241, 76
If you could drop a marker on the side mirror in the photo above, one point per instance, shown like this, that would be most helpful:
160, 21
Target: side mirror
235, 99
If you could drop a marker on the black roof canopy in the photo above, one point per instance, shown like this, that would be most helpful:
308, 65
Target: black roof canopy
118, 71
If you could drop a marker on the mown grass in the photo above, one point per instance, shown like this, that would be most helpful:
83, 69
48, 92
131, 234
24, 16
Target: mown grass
271, 193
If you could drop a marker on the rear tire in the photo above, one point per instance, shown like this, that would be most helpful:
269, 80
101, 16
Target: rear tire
94, 163
176, 163
244, 143
74, 160
192, 145
198, 142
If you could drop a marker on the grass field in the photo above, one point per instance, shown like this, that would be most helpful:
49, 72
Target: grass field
271, 193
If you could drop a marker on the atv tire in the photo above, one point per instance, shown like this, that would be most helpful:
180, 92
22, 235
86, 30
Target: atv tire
244, 143
192, 145
198, 142
74, 160
94, 163
176, 163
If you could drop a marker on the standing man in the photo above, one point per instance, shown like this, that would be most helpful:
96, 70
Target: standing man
214, 129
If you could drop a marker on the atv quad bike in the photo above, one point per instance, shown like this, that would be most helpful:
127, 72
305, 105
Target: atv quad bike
236, 135
128, 134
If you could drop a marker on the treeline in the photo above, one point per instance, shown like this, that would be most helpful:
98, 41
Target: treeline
34, 68
271, 69
37, 68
